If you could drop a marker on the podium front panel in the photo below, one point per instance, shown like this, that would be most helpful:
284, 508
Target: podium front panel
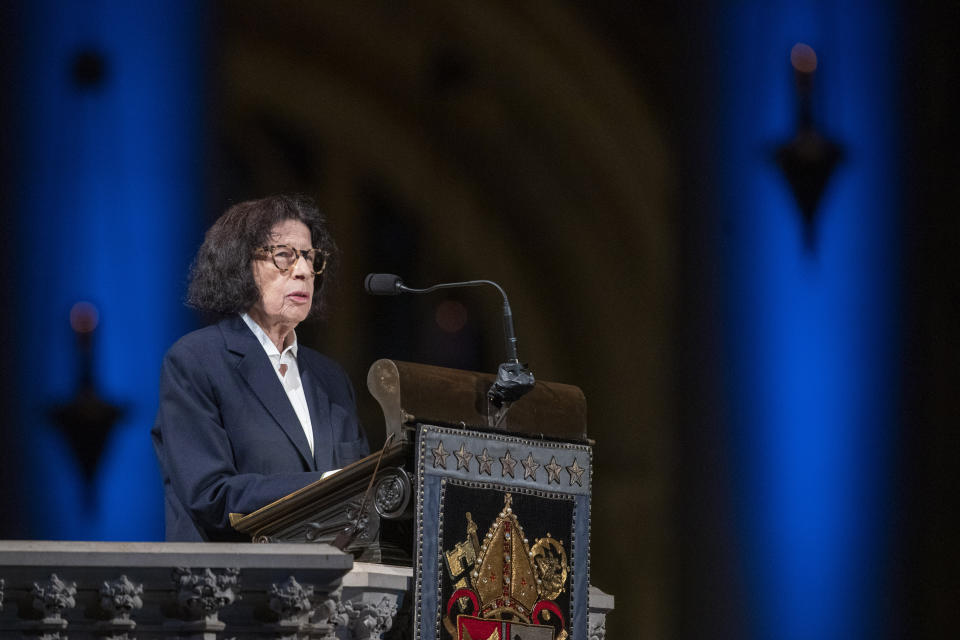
503, 536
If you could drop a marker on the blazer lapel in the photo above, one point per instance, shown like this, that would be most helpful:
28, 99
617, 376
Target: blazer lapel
255, 368
318, 402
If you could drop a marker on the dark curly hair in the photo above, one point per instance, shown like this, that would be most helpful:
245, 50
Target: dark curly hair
221, 276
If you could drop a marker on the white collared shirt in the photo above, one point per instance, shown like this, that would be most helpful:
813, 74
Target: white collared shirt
291, 380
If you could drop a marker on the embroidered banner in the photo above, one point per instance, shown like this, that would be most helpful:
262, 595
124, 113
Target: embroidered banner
504, 537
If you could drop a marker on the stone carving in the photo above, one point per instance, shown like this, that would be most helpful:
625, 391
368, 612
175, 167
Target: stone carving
367, 619
51, 598
326, 613
201, 595
599, 631
291, 600
120, 597
402, 626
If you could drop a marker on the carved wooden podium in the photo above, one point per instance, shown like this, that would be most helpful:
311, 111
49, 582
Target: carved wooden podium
491, 507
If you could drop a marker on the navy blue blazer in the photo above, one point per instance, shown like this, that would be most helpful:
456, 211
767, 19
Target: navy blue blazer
227, 437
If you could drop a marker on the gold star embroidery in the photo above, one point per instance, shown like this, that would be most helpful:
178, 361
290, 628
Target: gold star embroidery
553, 471
530, 467
463, 457
508, 462
485, 461
576, 473
440, 456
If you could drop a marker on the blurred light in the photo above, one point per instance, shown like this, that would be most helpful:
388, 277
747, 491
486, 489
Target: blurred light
451, 316
84, 317
803, 58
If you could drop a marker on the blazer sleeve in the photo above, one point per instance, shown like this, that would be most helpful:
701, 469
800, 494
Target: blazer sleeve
196, 452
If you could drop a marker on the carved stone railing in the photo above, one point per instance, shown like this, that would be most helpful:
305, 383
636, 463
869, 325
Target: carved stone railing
206, 591
114, 591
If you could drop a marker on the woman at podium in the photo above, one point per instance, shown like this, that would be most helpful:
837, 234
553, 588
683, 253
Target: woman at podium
248, 414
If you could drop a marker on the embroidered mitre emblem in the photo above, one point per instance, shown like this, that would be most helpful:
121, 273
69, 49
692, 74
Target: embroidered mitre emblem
511, 585
504, 579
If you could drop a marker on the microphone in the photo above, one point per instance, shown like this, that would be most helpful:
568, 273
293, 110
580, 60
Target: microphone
382, 284
513, 378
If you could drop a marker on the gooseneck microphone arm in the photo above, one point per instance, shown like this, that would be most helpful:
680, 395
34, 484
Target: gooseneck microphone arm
513, 378
387, 284
508, 332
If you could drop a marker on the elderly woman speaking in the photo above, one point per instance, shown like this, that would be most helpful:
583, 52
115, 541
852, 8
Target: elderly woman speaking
247, 414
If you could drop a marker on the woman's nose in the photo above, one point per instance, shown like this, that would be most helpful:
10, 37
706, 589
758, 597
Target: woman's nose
301, 269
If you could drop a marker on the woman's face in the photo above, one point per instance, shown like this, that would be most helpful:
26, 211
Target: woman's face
285, 296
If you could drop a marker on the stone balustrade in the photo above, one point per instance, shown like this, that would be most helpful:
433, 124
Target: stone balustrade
205, 591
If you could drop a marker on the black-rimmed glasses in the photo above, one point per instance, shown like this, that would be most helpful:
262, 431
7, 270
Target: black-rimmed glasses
285, 257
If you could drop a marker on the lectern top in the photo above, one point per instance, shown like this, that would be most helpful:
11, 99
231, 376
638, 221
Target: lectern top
410, 393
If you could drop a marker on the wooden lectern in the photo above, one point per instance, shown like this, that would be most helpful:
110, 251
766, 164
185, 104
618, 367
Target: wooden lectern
408, 394
449, 493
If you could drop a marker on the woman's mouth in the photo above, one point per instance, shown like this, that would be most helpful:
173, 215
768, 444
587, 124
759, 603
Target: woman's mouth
300, 297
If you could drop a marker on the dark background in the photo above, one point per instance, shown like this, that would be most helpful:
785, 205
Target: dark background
574, 153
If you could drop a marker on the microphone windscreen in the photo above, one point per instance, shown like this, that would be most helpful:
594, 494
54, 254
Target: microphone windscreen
382, 284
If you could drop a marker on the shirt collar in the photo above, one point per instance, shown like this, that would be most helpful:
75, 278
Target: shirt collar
265, 340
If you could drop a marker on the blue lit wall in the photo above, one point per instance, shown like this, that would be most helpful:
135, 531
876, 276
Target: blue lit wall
107, 210
811, 337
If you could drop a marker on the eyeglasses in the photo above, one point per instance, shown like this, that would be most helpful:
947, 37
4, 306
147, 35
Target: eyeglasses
285, 257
